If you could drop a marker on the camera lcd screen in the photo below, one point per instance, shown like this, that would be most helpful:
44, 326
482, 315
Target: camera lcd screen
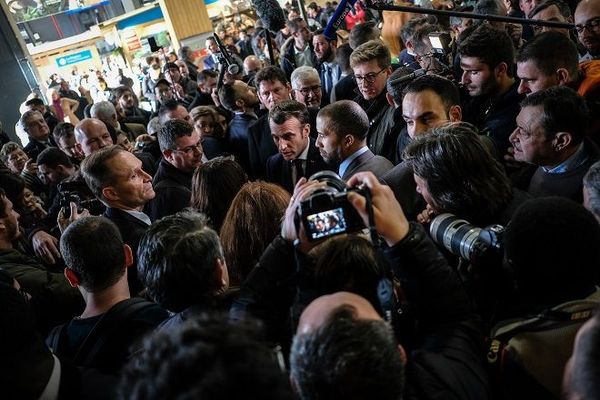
326, 223
436, 42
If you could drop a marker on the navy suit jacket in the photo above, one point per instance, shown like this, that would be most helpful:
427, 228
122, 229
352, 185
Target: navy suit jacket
279, 171
238, 138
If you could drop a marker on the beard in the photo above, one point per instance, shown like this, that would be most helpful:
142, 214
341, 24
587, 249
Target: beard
326, 55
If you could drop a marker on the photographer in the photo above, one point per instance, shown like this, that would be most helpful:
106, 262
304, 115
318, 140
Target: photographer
443, 308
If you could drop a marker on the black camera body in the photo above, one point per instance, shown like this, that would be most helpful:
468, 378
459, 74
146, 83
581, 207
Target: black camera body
71, 191
473, 244
328, 212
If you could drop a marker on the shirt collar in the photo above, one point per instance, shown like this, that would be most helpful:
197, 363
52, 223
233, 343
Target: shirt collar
304, 154
139, 215
346, 163
576, 159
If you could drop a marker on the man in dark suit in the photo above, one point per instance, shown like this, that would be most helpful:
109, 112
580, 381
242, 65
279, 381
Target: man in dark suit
342, 140
329, 70
116, 177
272, 87
38, 132
182, 153
240, 99
298, 157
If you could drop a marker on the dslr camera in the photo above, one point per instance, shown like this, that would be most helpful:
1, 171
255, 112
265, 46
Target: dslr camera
473, 244
327, 212
71, 192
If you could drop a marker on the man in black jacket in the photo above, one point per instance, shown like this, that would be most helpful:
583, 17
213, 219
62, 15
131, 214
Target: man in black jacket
116, 177
487, 61
372, 68
182, 154
38, 132
241, 100
272, 87
298, 156
106, 334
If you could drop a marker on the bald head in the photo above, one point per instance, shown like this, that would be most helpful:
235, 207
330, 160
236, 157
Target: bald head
251, 65
586, 15
92, 135
319, 312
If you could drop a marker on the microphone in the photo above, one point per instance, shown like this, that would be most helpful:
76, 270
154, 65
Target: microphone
232, 67
270, 13
337, 18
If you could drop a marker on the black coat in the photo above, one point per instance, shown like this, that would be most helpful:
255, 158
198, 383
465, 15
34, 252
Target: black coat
345, 88
34, 148
260, 146
496, 118
280, 171
132, 230
174, 192
201, 99
402, 182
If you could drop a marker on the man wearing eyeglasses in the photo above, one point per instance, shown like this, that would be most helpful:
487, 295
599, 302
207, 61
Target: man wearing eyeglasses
587, 26
371, 63
182, 154
306, 87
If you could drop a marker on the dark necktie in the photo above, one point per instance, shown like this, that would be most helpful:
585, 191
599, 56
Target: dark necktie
327, 78
297, 170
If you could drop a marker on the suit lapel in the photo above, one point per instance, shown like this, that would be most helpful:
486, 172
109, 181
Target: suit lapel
363, 158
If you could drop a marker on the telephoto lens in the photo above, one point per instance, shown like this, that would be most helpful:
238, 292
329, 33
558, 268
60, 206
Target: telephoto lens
456, 235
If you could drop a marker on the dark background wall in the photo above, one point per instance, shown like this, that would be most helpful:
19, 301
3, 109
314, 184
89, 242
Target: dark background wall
14, 76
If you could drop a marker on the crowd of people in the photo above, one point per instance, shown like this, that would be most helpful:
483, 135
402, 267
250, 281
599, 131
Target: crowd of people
337, 222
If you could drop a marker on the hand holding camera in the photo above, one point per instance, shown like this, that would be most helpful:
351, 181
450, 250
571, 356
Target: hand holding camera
390, 221
303, 190
66, 218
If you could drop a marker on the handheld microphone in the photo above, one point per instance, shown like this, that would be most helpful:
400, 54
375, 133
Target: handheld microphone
337, 18
270, 13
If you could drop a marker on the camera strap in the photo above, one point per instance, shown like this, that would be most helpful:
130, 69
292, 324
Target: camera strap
371, 221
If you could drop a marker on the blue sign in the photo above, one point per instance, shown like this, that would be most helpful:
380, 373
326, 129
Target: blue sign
74, 58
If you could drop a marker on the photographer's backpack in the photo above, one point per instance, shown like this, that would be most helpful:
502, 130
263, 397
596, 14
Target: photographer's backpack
527, 356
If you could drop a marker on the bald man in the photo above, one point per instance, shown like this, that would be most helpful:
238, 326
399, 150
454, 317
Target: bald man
252, 65
92, 135
587, 25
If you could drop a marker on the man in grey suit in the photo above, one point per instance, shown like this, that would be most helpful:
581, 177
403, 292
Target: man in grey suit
342, 140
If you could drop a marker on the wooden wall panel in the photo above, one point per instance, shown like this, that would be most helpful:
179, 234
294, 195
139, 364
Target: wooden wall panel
186, 18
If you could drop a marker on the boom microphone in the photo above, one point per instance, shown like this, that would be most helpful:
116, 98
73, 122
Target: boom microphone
337, 18
270, 13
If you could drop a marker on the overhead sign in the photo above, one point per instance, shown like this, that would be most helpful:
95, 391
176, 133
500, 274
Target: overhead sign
74, 58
